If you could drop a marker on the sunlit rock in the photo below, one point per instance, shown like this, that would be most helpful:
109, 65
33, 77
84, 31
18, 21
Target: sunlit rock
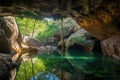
30, 41
30, 44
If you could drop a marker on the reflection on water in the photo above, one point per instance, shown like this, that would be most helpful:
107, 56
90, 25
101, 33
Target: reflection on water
77, 65
45, 76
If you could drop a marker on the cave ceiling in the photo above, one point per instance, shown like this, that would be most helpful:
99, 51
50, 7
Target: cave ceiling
48, 7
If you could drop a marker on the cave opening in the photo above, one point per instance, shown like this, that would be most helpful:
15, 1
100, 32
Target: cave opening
60, 40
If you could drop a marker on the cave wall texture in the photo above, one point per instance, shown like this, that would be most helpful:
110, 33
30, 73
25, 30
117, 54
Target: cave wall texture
10, 48
103, 23
101, 18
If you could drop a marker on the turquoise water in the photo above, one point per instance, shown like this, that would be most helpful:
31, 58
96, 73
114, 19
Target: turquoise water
77, 65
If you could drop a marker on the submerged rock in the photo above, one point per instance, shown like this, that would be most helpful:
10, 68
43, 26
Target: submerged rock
45, 76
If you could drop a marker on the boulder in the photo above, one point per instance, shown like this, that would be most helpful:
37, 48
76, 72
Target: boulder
82, 38
30, 41
30, 44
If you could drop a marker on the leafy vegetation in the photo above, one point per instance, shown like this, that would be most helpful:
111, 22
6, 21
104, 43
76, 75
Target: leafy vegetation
25, 70
43, 29
78, 39
27, 25
41, 63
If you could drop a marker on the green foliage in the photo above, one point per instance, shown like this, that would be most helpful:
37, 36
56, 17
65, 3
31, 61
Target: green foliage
28, 24
41, 63
43, 29
38, 66
47, 31
78, 39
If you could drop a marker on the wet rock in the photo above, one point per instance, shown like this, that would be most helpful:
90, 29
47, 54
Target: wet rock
6, 65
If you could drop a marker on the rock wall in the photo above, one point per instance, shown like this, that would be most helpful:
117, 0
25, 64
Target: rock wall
12, 35
9, 43
103, 24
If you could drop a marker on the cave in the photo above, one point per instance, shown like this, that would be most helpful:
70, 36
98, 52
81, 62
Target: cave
77, 47
100, 18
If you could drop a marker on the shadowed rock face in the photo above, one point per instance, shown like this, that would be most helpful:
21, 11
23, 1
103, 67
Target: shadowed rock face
102, 23
6, 65
52, 7
48, 7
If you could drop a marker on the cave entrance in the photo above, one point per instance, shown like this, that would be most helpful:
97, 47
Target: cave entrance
95, 16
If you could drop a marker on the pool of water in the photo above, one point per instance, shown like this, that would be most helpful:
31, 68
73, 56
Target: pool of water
71, 65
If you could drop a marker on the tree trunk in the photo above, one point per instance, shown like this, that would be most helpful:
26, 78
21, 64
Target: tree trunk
33, 30
62, 34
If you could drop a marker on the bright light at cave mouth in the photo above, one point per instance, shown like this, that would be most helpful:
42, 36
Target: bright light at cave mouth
49, 19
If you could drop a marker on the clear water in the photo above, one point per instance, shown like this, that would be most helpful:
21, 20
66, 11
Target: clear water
77, 65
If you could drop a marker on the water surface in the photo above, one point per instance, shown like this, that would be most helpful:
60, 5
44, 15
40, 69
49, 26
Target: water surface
72, 65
